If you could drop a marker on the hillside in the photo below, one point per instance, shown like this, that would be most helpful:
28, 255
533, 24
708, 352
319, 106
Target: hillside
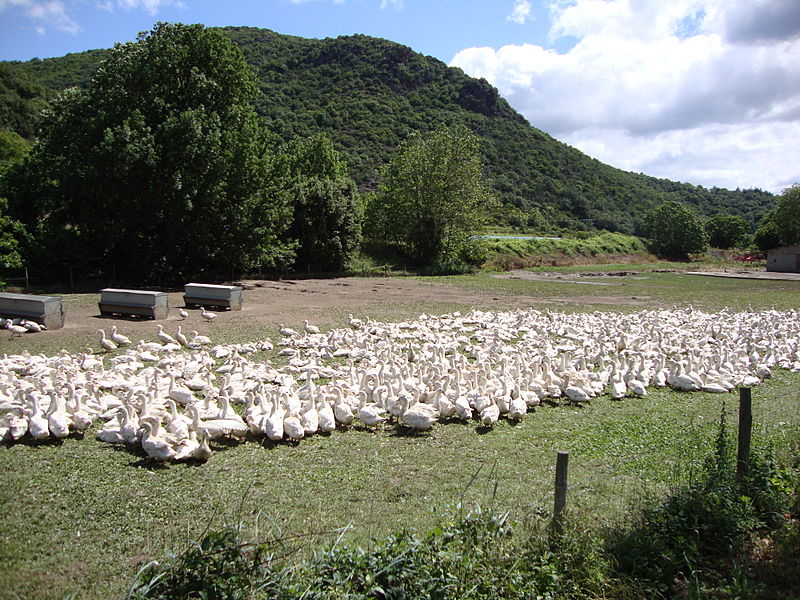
368, 94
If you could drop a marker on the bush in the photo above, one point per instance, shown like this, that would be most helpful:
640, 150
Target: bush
675, 231
700, 531
726, 231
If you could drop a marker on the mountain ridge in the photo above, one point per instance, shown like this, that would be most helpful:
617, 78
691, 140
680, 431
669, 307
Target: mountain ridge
367, 94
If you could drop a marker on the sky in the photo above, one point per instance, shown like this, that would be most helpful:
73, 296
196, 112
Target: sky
699, 91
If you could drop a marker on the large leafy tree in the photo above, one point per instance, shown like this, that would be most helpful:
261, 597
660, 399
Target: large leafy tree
781, 225
433, 197
674, 231
326, 219
158, 168
787, 215
726, 231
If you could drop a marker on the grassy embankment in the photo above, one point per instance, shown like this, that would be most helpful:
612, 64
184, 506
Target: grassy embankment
80, 516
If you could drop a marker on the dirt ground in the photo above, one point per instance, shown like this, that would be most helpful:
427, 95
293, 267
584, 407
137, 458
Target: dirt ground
324, 302
267, 304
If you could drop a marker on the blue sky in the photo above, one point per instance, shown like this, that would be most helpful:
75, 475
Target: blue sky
440, 28
703, 91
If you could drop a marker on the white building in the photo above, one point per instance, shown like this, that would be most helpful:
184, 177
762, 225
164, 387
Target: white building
785, 259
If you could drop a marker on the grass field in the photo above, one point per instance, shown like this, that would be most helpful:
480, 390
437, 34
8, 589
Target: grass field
81, 516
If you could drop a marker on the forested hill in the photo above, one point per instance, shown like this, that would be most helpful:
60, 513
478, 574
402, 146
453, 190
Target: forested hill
368, 94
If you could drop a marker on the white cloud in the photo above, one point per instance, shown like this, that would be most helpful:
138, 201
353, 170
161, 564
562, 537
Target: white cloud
693, 90
521, 13
44, 14
152, 7
397, 4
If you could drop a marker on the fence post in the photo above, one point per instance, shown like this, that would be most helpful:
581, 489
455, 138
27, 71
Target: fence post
27, 283
745, 429
560, 503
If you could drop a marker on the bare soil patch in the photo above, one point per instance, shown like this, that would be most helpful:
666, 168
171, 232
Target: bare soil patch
324, 302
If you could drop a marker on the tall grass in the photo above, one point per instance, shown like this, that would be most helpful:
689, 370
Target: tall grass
505, 254
695, 543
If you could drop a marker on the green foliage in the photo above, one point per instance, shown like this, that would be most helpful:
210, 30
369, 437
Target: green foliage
326, 217
767, 235
602, 244
158, 168
674, 231
726, 231
432, 198
787, 215
219, 567
22, 100
11, 232
701, 529
369, 94
13, 148
481, 555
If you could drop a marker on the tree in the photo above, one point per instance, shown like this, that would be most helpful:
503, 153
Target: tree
726, 231
674, 231
326, 214
787, 215
10, 234
433, 198
766, 235
158, 168
13, 148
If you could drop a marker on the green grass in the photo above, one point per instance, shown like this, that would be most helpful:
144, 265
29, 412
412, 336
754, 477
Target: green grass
81, 516
650, 288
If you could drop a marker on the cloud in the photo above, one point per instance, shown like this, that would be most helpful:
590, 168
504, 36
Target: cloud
688, 86
397, 4
762, 21
44, 14
521, 13
152, 7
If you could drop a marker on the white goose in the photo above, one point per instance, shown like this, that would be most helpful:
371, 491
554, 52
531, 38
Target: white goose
490, 415
203, 451
106, 343
341, 410
200, 340
371, 414
112, 431
38, 426
292, 426
419, 417
16, 330
208, 316
57, 417
164, 336
310, 329
273, 427
157, 446
179, 393
327, 420
181, 338
118, 338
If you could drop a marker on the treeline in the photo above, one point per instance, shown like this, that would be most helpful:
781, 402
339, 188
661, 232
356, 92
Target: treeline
368, 95
160, 170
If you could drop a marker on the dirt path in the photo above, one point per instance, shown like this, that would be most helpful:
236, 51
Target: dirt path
324, 302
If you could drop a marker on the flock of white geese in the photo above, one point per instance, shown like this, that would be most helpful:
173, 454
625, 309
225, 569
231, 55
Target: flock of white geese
172, 396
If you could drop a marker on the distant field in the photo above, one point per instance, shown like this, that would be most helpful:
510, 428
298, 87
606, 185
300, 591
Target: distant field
81, 516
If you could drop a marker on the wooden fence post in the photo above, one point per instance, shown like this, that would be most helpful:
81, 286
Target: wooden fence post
560, 503
745, 429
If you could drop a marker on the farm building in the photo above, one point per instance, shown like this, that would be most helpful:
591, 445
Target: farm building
785, 259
